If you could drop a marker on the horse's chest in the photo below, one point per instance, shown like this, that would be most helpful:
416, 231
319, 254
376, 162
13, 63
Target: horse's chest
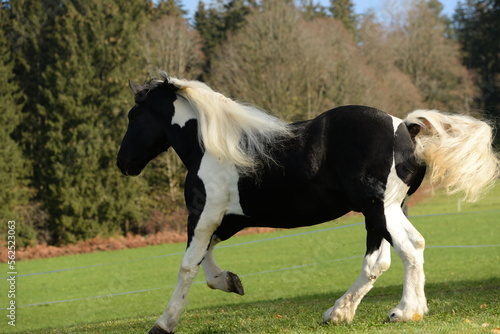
220, 183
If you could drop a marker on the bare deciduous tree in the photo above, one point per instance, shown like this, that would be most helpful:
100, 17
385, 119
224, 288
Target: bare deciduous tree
298, 68
170, 44
262, 63
398, 95
431, 60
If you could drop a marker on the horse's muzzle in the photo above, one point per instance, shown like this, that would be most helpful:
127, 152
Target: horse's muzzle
128, 169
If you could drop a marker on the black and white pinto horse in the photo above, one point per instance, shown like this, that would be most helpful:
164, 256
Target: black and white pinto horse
249, 169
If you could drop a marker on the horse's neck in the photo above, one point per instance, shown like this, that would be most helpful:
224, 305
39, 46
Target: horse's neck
183, 133
184, 141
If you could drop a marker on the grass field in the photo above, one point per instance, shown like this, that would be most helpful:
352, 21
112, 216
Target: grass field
289, 281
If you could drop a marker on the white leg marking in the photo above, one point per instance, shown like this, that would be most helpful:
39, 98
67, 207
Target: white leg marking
216, 178
187, 272
409, 244
211, 269
374, 265
216, 277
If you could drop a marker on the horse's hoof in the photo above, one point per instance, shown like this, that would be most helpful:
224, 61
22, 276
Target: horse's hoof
158, 330
234, 283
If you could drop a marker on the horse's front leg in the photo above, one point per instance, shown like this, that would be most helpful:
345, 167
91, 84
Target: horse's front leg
216, 277
409, 244
199, 241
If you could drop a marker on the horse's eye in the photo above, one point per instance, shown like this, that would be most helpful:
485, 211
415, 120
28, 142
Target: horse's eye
141, 96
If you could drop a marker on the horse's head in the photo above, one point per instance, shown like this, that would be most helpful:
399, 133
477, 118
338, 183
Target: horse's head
146, 135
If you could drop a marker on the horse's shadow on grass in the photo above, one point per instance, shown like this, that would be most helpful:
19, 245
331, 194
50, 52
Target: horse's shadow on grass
463, 299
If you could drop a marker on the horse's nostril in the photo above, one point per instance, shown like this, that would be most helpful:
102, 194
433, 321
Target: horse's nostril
121, 166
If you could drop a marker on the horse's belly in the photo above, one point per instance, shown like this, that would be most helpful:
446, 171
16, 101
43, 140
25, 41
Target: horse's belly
292, 206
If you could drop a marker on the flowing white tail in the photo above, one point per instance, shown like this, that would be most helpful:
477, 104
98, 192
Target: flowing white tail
458, 150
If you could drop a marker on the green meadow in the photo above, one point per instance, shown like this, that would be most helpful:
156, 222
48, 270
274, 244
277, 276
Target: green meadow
290, 277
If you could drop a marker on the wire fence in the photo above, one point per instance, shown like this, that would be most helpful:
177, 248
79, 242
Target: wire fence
236, 245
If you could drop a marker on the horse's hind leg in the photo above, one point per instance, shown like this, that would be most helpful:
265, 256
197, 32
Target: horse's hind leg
216, 277
377, 260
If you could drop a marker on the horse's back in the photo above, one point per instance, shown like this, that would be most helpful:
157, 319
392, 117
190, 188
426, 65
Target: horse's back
335, 163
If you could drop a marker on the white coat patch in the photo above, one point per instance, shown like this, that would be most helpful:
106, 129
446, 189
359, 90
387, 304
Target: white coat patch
221, 184
396, 122
183, 112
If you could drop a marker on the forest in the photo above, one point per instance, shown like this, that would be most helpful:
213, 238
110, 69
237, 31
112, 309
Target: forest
64, 66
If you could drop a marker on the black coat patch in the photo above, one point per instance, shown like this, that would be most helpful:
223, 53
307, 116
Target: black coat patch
404, 157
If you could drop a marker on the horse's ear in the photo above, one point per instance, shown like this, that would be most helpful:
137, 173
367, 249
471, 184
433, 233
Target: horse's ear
170, 85
135, 88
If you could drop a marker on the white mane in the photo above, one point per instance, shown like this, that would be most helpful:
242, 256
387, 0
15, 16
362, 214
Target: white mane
231, 131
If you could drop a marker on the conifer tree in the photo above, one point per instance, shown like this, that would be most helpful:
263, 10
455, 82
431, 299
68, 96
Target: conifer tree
209, 27
168, 7
477, 26
29, 21
343, 10
215, 22
312, 10
14, 169
94, 48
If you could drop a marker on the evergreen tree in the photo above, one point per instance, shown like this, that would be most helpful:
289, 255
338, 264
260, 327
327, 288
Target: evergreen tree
14, 169
477, 25
214, 23
210, 28
235, 12
313, 10
25, 25
29, 22
94, 48
437, 8
343, 10
169, 8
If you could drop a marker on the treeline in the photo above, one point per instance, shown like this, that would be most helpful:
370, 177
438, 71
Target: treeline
64, 66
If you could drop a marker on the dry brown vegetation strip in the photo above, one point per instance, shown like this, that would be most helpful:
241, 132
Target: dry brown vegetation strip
99, 244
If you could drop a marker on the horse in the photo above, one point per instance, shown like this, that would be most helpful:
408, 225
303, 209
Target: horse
246, 168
